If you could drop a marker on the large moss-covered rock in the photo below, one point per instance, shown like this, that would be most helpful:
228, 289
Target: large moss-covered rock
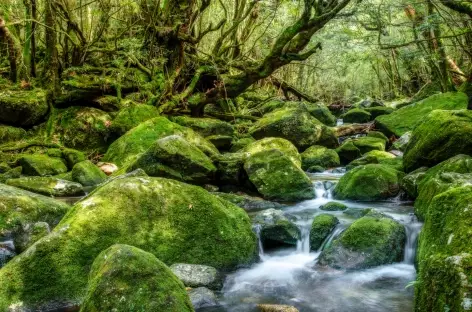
372, 240
176, 158
276, 176
41, 165
23, 108
142, 137
18, 208
333, 206
445, 254
407, 118
354, 148
238, 145
295, 125
205, 126
249, 203
441, 135
131, 116
317, 110
87, 174
275, 229
321, 227
356, 115
230, 169
9, 134
379, 111
369, 182
319, 156
348, 152
378, 157
167, 218
402, 142
48, 186
124, 278
280, 144
82, 128
411, 181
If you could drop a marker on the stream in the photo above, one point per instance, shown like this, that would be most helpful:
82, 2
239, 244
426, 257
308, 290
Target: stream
288, 276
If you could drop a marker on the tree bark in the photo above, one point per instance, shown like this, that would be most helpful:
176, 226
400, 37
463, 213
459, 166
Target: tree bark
50, 73
13, 50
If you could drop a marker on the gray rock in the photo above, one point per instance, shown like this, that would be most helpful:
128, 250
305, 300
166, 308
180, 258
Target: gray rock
195, 275
7, 252
402, 142
276, 228
202, 297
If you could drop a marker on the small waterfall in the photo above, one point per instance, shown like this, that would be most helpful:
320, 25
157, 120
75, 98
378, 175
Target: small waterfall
324, 189
303, 245
319, 189
412, 232
339, 122
335, 233
257, 229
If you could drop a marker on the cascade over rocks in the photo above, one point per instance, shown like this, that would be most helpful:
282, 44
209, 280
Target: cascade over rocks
124, 278
163, 217
372, 240
321, 228
451, 137
276, 229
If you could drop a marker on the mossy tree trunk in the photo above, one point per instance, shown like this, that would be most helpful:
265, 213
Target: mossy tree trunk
12, 47
50, 73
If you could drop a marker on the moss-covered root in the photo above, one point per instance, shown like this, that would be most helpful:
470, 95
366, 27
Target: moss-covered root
321, 227
167, 218
124, 278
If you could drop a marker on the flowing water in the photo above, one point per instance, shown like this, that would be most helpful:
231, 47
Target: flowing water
289, 276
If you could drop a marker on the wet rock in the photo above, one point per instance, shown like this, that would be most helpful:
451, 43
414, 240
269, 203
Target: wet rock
372, 240
321, 228
276, 177
249, 203
276, 308
7, 252
41, 165
124, 278
48, 186
402, 142
194, 275
202, 297
87, 174
333, 206
276, 229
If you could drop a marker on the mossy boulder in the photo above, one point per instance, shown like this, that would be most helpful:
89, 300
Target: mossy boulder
411, 181
451, 137
372, 240
379, 111
276, 176
9, 134
230, 169
124, 278
333, 206
161, 216
369, 182
174, 157
352, 149
378, 135
141, 138
87, 174
82, 128
295, 125
249, 203
407, 118
321, 228
72, 157
41, 165
48, 186
23, 108
378, 157
4, 167
322, 113
205, 126
356, 115
11, 174
276, 229
131, 116
280, 144
348, 152
319, 156
18, 208
239, 144
444, 253
402, 142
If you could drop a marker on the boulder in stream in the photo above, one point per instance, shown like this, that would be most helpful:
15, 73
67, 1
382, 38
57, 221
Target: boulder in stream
321, 228
276, 229
202, 297
319, 156
197, 275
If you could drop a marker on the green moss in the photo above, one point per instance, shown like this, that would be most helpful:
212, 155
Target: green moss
280, 144
372, 240
402, 142
319, 156
230, 169
131, 116
411, 181
354, 148
42, 165
163, 217
356, 115
11, 174
47, 186
378, 157
240, 144
23, 108
247, 202
333, 206
205, 126
72, 157
378, 135
87, 174
176, 158
407, 118
348, 152
19, 208
9, 134
4, 167
295, 125
379, 111
108, 103
277, 177
451, 137
321, 227
125, 278
140, 138
369, 182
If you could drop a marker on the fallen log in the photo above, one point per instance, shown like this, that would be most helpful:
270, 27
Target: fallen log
353, 129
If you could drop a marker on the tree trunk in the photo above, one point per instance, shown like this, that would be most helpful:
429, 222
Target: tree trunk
34, 15
12, 49
50, 77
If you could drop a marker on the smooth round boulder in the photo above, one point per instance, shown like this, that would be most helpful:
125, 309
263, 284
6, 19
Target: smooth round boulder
372, 240
321, 228
202, 297
285, 146
124, 278
277, 177
333, 206
197, 275
356, 115
369, 182
167, 218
